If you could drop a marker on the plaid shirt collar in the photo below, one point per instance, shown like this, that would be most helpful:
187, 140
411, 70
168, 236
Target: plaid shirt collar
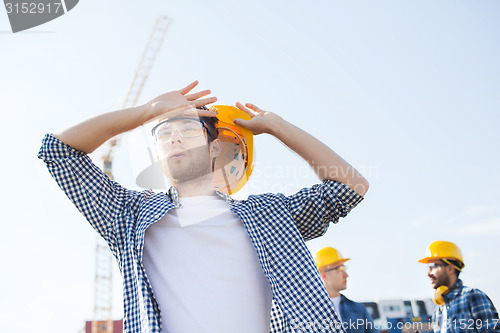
454, 291
173, 194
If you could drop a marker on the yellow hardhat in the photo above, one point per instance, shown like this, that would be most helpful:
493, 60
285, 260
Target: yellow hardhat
442, 250
328, 256
234, 165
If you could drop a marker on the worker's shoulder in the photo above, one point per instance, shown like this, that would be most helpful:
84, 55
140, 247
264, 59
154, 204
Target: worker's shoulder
352, 305
148, 200
301, 193
263, 197
474, 293
315, 193
256, 202
262, 200
151, 197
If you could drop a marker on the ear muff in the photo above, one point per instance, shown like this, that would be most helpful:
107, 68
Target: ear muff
439, 292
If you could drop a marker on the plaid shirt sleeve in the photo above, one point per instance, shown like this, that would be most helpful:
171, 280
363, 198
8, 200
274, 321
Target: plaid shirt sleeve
313, 209
483, 312
98, 198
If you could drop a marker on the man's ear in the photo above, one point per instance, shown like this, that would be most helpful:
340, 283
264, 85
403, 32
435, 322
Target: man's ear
215, 148
450, 270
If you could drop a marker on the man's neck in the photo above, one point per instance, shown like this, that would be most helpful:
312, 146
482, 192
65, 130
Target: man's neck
195, 188
452, 281
333, 293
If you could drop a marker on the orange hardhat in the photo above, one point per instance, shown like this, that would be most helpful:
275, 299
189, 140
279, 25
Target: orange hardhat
235, 163
443, 250
328, 256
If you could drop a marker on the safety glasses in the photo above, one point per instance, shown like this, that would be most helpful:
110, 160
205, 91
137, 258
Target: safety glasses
185, 126
434, 266
341, 268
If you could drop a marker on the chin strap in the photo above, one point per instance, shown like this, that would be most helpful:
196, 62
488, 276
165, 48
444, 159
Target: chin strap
446, 261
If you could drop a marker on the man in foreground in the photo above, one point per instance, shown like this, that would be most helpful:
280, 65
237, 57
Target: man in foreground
193, 259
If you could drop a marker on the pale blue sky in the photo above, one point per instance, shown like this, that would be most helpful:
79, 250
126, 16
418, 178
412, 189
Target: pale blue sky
407, 91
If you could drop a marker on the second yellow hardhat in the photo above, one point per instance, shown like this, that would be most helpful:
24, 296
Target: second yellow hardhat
442, 250
328, 256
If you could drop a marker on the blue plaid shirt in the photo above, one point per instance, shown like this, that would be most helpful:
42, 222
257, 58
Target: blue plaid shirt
277, 225
355, 318
468, 310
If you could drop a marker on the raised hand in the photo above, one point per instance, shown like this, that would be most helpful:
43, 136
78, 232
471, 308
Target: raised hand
181, 100
261, 121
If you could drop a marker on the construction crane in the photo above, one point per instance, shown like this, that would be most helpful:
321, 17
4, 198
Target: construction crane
102, 322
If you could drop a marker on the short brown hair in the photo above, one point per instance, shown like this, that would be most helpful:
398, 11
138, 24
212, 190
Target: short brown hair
210, 124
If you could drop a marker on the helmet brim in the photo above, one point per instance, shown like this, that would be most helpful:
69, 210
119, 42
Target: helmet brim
336, 263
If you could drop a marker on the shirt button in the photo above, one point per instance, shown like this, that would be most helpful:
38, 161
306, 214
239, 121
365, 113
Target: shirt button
157, 216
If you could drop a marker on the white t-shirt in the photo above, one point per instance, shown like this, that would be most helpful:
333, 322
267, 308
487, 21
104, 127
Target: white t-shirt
444, 320
204, 270
336, 305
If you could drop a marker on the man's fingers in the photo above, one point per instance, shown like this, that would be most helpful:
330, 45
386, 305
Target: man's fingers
192, 112
189, 87
244, 109
253, 107
185, 109
240, 122
197, 95
203, 102
180, 110
206, 113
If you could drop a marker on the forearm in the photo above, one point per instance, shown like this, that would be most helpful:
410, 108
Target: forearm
326, 163
90, 134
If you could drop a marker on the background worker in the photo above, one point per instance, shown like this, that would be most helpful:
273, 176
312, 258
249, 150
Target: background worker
333, 272
461, 308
